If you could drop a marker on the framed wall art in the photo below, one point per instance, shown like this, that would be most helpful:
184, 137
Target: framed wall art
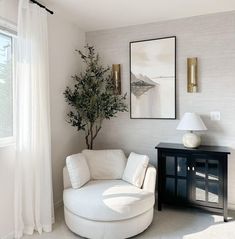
153, 78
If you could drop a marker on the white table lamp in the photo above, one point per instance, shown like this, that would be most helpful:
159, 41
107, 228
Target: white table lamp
191, 122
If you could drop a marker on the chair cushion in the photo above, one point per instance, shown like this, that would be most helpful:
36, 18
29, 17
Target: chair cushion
78, 170
108, 200
105, 164
135, 169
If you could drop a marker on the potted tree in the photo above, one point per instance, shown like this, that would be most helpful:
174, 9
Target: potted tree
92, 97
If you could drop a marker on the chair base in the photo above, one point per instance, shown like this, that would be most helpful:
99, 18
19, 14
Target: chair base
106, 230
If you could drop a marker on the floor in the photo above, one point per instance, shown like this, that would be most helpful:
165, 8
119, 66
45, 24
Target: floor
170, 223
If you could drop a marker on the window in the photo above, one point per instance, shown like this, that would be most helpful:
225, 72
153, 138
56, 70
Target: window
6, 88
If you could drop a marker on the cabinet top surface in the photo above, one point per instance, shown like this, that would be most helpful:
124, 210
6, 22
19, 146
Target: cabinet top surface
202, 148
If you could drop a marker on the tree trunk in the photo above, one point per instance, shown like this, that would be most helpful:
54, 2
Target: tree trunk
91, 145
91, 134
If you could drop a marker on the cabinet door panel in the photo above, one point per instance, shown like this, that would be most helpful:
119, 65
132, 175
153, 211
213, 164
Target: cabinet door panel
207, 181
170, 165
182, 166
182, 189
176, 177
213, 192
200, 168
200, 192
213, 170
170, 186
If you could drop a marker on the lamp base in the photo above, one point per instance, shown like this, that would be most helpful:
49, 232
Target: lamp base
191, 140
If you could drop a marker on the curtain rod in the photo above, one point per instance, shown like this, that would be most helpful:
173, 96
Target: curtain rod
40, 5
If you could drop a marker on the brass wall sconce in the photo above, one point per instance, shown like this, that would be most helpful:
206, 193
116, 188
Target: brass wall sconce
192, 75
116, 71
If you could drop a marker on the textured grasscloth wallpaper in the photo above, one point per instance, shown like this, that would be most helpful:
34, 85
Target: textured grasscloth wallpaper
211, 38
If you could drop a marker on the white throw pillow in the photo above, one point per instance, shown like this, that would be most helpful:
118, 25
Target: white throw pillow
105, 164
135, 169
78, 170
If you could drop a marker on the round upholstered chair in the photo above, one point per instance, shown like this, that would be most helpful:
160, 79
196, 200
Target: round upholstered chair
106, 206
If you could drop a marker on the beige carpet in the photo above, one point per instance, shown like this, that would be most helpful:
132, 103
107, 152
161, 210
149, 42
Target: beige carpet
170, 223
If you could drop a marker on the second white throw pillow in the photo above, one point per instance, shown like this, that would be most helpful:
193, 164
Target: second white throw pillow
135, 169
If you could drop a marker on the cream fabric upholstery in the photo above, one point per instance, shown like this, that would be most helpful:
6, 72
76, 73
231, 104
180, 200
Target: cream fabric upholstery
108, 200
113, 208
135, 169
108, 230
148, 185
105, 164
67, 183
150, 179
78, 170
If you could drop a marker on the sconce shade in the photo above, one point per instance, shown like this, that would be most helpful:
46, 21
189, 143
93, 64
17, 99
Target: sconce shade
192, 75
116, 71
191, 122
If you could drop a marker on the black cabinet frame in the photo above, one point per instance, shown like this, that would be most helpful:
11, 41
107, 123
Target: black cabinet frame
208, 155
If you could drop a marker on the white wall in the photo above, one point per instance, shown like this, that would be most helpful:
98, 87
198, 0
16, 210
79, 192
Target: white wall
64, 38
8, 10
211, 38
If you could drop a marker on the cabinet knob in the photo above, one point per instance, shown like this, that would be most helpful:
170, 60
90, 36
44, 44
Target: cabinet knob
188, 168
193, 168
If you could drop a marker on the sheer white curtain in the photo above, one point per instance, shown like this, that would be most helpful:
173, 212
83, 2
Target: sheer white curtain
33, 183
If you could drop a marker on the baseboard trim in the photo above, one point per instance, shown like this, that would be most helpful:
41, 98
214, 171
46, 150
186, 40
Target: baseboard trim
9, 236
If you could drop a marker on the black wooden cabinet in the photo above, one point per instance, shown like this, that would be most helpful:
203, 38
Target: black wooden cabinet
193, 177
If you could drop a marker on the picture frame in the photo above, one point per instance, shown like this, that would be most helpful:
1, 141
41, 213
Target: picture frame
153, 78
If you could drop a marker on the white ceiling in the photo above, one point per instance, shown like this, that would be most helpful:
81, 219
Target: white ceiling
92, 15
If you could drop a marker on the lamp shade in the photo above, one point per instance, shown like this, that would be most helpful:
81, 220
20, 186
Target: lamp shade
192, 122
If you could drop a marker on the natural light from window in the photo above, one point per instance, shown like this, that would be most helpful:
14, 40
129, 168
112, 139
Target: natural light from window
6, 87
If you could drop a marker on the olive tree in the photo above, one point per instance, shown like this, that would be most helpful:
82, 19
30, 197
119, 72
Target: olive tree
92, 97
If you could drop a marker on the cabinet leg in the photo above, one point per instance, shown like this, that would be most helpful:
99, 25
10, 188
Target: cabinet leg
225, 216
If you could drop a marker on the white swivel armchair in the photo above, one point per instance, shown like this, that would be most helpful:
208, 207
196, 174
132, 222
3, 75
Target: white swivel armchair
106, 206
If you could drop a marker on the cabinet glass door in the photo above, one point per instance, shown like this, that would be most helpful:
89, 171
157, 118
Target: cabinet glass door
206, 181
176, 177
181, 177
213, 181
200, 179
170, 176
